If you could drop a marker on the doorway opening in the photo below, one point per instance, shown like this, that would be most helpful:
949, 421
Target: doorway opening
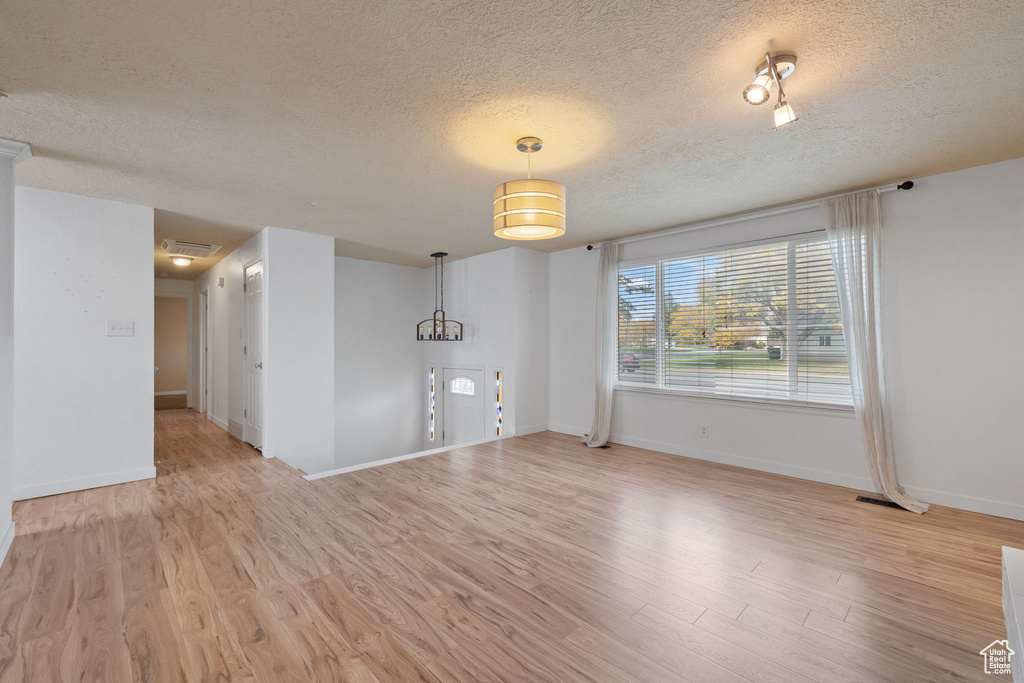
170, 352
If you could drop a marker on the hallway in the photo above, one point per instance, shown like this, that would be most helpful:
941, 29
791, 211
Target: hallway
528, 559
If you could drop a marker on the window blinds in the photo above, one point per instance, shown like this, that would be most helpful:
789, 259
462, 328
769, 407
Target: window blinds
757, 322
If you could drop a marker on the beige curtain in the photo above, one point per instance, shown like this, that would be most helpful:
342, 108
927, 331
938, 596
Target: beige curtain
606, 347
854, 230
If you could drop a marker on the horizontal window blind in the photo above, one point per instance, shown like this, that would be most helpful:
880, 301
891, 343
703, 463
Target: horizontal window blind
757, 322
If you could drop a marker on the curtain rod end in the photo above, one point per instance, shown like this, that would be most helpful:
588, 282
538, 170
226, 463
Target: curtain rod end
905, 185
590, 247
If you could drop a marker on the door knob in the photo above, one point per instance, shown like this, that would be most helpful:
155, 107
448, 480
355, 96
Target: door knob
259, 365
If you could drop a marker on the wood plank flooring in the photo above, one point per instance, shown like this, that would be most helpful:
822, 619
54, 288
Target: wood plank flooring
530, 559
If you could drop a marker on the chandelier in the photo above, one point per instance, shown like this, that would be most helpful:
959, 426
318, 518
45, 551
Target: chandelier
439, 328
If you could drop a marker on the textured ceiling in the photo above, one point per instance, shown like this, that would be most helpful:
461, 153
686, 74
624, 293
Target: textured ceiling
398, 118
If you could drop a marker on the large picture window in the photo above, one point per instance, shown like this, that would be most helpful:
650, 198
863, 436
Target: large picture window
757, 322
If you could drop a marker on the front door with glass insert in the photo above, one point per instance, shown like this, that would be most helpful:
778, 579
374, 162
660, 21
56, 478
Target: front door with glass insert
464, 395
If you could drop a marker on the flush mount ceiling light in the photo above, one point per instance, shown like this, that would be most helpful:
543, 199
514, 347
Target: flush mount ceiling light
439, 328
529, 209
770, 73
181, 260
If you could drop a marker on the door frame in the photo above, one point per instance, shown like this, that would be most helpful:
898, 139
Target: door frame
263, 341
188, 336
203, 351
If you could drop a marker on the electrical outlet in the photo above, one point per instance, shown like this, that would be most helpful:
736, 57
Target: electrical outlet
120, 328
705, 431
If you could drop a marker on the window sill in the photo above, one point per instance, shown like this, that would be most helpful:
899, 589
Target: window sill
832, 409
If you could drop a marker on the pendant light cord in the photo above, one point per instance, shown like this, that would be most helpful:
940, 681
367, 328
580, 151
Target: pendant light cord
442, 283
435, 285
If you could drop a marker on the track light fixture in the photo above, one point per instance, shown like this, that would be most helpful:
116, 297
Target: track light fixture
768, 74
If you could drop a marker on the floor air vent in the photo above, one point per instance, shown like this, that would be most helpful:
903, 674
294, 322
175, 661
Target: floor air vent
878, 501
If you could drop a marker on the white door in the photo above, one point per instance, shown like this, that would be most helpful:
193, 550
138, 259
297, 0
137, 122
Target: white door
204, 350
463, 406
252, 430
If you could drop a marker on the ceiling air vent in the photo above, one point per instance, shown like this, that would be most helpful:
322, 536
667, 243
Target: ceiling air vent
185, 248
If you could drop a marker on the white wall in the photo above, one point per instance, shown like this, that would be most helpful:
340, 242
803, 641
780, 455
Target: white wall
83, 408
953, 277
298, 374
531, 330
381, 377
378, 367
163, 286
10, 153
480, 292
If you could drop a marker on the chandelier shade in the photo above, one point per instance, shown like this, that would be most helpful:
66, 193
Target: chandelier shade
529, 209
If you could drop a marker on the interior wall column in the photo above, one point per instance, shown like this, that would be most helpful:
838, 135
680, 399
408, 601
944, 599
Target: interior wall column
11, 152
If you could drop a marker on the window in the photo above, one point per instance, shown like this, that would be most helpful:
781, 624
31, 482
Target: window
430, 404
463, 385
499, 401
756, 322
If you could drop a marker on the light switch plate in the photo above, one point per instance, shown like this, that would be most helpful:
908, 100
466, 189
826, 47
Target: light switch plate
120, 328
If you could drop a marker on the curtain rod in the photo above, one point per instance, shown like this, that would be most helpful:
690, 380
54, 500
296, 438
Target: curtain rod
751, 215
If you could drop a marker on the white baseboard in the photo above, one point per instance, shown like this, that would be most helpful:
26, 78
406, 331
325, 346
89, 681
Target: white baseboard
954, 500
759, 464
5, 542
169, 393
219, 422
565, 429
523, 431
399, 458
982, 505
54, 487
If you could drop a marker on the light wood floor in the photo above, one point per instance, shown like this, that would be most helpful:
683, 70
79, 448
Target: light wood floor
532, 559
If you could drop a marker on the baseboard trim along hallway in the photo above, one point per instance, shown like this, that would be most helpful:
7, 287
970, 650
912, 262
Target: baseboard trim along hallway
69, 485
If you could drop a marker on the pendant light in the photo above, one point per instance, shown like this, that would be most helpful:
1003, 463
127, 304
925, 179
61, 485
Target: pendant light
439, 328
529, 209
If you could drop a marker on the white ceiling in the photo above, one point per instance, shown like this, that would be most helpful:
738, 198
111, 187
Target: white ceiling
398, 118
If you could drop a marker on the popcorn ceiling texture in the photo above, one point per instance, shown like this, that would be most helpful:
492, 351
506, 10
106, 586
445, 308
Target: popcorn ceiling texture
398, 118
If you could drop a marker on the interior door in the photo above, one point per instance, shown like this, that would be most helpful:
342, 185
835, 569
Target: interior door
463, 406
204, 350
252, 430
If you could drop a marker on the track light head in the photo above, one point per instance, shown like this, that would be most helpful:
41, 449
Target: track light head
759, 91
